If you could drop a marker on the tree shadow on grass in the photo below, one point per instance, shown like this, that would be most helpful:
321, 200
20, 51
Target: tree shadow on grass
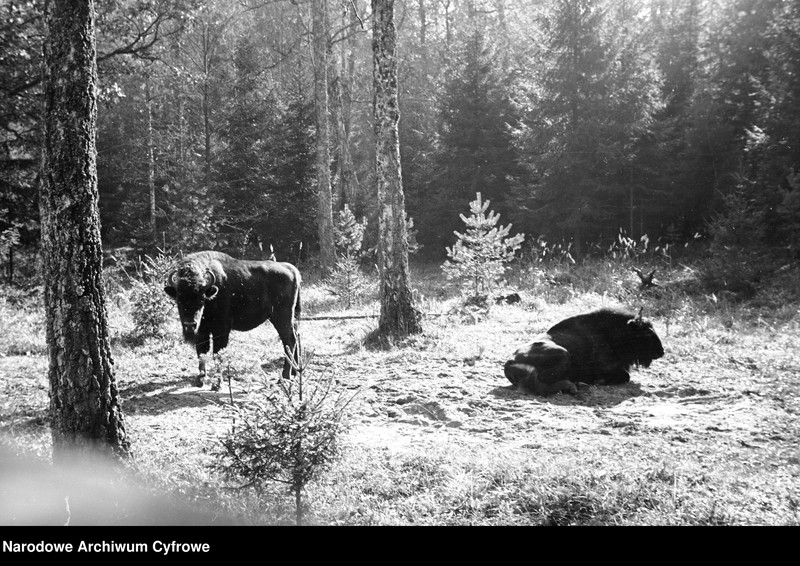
159, 397
588, 395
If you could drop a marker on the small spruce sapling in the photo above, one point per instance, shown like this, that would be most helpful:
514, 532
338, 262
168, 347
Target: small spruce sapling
150, 306
289, 436
479, 255
346, 280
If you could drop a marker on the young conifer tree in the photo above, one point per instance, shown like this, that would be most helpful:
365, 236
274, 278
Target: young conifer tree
479, 255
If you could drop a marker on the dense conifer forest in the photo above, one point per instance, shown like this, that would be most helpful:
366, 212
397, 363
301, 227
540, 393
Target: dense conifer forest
579, 119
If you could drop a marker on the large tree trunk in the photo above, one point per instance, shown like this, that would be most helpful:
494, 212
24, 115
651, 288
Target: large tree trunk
324, 204
398, 316
84, 405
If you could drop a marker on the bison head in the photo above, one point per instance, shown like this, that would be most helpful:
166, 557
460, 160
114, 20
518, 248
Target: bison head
645, 343
191, 286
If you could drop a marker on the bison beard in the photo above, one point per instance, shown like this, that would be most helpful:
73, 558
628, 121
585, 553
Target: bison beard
216, 293
598, 347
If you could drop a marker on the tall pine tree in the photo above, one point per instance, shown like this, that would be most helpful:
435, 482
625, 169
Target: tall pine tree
84, 403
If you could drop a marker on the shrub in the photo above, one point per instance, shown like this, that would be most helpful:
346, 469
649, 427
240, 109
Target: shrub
739, 256
150, 305
348, 282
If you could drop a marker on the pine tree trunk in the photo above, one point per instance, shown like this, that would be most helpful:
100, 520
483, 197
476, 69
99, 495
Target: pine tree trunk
398, 316
324, 204
84, 404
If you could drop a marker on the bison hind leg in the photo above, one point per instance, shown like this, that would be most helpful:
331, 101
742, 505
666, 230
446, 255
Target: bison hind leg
526, 377
516, 373
542, 368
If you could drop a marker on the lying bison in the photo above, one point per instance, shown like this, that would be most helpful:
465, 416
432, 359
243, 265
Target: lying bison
216, 293
598, 347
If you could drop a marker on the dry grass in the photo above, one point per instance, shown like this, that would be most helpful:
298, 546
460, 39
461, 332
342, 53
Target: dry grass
707, 435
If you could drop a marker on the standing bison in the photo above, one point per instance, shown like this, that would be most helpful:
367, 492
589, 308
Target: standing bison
597, 347
216, 293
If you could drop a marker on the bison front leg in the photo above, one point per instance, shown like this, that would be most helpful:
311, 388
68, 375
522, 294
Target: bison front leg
618, 376
221, 363
201, 371
202, 346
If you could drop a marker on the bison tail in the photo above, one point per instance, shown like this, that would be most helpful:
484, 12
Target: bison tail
297, 308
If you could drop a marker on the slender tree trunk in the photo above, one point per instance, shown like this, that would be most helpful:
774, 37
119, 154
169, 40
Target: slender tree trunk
423, 26
346, 181
151, 162
206, 105
206, 137
505, 38
398, 316
631, 209
324, 200
84, 404
350, 180
10, 265
178, 94
448, 24
423, 41
335, 108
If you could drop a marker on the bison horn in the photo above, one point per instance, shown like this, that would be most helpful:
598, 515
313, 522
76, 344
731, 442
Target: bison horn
213, 277
172, 278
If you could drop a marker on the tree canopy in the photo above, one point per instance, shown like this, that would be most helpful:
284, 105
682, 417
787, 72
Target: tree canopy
574, 117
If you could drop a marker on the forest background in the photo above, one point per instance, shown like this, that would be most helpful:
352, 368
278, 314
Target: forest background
580, 120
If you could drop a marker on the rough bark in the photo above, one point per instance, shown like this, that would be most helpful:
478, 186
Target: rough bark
323, 161
84, 404
398, 316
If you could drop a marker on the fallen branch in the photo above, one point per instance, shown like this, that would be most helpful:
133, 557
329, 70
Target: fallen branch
359, 316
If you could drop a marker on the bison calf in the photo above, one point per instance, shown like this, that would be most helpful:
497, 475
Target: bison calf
597, 347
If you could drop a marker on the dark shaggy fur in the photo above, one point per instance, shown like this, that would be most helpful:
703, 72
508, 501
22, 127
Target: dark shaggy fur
216, 293
598, 347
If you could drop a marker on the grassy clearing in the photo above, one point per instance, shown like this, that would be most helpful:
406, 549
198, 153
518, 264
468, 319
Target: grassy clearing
707, 436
